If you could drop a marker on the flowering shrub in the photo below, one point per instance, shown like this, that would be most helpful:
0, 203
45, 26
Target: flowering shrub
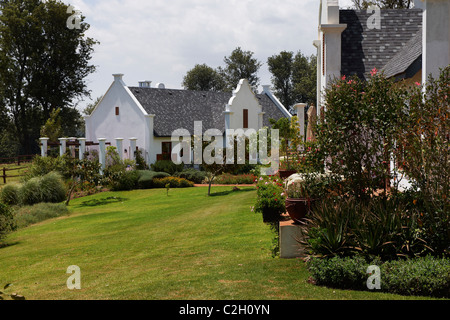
270, 198
358, 130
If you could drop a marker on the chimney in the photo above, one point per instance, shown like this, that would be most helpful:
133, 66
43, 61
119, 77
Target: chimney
145, 84
436, 37
118, 76
160, 86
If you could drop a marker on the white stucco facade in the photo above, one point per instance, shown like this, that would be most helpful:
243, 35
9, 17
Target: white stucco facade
119, 117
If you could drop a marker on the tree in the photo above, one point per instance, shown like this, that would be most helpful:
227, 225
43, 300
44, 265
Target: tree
52, 128
294, 77
280, 66
304, 78
203, 78
43, 64
91, 106
383, 4
240, 65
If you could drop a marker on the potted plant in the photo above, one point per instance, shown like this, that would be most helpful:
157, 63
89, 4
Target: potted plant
303, 190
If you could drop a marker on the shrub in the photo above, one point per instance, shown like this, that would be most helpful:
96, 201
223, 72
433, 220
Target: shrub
340, 272
48, 188
52, 188
7, 222
44, 165
228, 178
145, 180
270, 198
382, 227
10, 194
193, 175
428, 276
173, 182
128, 180
167, 166
28, 215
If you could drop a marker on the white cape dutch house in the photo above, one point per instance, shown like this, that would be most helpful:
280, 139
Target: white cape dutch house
145, 117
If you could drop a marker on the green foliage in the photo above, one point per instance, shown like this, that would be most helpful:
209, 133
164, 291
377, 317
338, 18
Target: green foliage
426, 276
383, 227
270, 200
228, 178
44, 165
10, 194
7, 223
128, 180
52, 128
28, 215
203, 78
358, 131
193, 175
146, 177
341, 272
167, 166
36, 78
239, 65
48, 188
172, 182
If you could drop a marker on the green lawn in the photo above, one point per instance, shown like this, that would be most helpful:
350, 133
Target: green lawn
143, 244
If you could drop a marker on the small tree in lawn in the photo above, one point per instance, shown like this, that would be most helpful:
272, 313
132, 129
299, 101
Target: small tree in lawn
215, 160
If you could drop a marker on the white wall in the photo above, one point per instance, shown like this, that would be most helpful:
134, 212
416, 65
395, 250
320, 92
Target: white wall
244, 98
103, 122
436, 37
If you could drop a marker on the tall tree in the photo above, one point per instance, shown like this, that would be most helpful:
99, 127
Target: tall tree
383, 4
203, 78
293, 77
43, 64
240, 65
304, 78
280, 66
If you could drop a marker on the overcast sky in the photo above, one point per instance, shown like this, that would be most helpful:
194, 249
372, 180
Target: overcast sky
161, 40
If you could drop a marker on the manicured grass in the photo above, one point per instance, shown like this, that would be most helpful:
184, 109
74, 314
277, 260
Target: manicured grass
144, 244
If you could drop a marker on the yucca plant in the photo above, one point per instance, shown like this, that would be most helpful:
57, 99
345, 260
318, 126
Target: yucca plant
326, 229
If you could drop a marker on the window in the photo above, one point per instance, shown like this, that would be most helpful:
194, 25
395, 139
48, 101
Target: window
117, 111
245, 119
166, 147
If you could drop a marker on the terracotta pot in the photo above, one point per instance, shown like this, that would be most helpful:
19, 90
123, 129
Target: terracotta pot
286, 173
298, 208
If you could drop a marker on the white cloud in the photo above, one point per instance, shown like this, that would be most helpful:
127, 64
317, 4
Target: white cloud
161, 40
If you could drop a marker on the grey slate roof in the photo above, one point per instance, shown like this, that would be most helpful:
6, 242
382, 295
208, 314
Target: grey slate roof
175, 108
364, 49
400, 63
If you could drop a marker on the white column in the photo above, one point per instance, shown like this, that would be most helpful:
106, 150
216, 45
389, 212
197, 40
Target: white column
261, 120
119, 144
436, 38
300, 109
44, 146
227, 113
150, 154
82, 148
72, 148
132, 148
62, 146
102, 153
